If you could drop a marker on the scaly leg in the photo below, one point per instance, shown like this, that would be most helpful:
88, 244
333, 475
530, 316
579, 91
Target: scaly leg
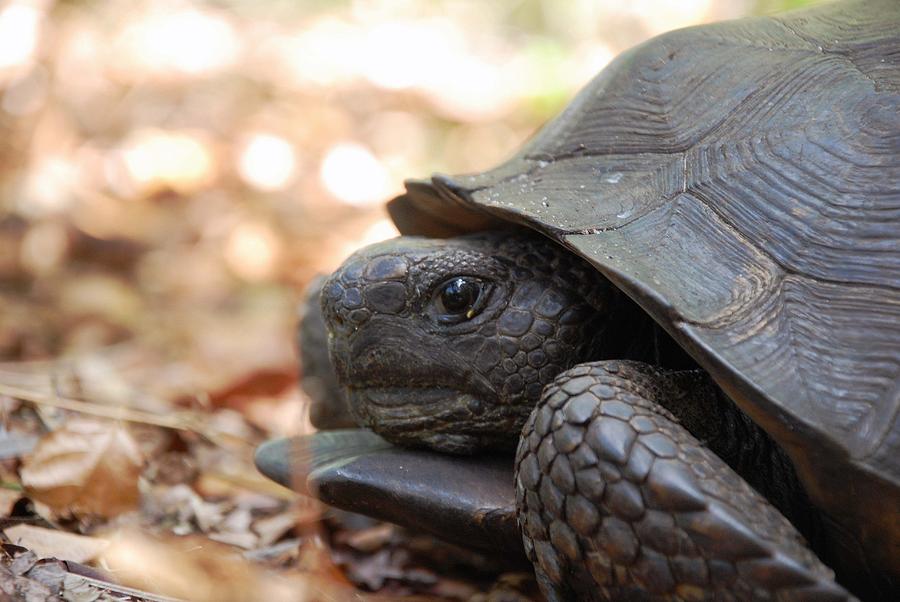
617, 500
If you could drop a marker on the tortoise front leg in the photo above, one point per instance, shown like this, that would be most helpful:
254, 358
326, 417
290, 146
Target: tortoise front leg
617, 500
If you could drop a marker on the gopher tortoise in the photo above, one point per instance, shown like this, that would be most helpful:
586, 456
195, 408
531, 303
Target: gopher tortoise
681, 300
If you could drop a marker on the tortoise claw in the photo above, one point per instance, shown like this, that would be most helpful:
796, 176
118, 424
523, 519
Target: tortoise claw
464, 500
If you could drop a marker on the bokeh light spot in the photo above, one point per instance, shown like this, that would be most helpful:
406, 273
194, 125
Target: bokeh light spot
187, 42
352, 174
157, 159
267, 162
44, 247
252, 251
19, 25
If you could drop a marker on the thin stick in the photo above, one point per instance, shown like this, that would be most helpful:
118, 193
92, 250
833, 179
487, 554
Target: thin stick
182, 421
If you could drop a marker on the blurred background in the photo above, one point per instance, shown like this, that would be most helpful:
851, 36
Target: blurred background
173, 172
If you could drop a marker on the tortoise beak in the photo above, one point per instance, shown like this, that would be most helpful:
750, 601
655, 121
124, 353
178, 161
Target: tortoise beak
464, 500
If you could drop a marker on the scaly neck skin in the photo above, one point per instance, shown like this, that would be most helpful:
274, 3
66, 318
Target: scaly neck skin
723, 428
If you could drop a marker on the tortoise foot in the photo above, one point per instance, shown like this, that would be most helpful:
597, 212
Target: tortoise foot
618, 501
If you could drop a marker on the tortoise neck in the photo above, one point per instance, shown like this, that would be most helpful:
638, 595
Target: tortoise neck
631, 334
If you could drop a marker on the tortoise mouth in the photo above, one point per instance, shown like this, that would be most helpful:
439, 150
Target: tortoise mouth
440, 418
410, 408
391, 397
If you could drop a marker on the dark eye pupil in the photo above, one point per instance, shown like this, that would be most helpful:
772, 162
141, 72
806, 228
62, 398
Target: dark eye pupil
459, 295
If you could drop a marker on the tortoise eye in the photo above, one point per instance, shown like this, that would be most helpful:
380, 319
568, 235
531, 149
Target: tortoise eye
460, 298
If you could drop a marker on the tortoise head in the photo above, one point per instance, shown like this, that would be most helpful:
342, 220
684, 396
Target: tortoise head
448, 343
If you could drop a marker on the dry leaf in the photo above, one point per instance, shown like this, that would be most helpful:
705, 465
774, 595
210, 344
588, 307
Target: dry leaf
8, 499
88, 467
265, 383
50, 543
372, 539
272, 528
17, 587
197, 569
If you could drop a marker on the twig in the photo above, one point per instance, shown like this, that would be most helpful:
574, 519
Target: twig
181, 421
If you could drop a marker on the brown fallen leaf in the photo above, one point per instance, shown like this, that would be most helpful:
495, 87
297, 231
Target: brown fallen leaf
17, 587
87, 467
369, 540
265, 383
195, 568
51, 543
271, 528
8, 499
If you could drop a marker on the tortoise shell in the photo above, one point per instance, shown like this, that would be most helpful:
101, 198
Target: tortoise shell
741, 182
